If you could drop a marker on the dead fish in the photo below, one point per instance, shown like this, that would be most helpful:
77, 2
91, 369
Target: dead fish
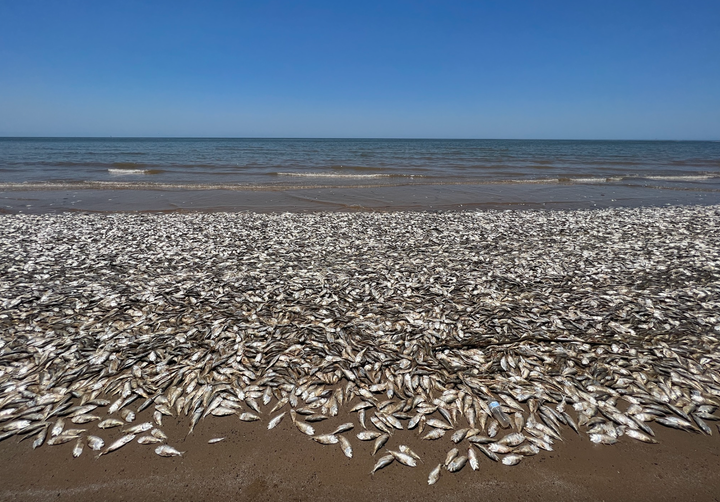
435, 475
459, 435
435, 434
110, 423
383, 461
488, 453
527, 450
499, 448
249, 417
58, 428
83, 419
368, 435
450, 456
127, 415
675, 422
168, 451
457, 464
406, 449
380, 442
221, 411
149, 440
61, 439
305, 428
602, 439
40, 438
481, 440
344, 428
215, 440
275, 421
118, 444
473, 459
513, 439
78, 449
158, 434
403, 458
346, 446
512, 459
640, 436
95, 443
326, 439
438, 424
137, 429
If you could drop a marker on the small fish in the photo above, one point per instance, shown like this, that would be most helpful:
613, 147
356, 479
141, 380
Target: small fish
149, 440
527, 450
459, 435
158, 434
61, 439
487, 452
513, 439
435, 434
434, 475
118, 444
346, 446
451, 456
481, 440
168, 451
249, 417
406, 449
383, 461
215, 440
499, 448
457, 464
640, 436
95, 443
305, 428
57, 428
344, 428
40, 438
438, 424
127, 415
83, 419
512, 459
473, 459
110, 423
380, 442
137, 429
602, 439
326, 439
367, 435
275, 421
404, 458
157, 417
78, 449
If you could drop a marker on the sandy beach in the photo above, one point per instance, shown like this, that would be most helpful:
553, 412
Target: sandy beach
602, 318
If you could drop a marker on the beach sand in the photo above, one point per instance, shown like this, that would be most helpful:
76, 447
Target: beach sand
72, 254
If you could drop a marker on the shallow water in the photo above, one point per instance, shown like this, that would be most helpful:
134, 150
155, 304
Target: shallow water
311, 174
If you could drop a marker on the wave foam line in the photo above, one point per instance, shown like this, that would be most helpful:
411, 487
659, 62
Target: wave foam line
335, 175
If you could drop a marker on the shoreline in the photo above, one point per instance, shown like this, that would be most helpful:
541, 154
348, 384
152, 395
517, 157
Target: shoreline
416, 197
607, 315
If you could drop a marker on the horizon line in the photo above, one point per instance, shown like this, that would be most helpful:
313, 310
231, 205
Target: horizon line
399, 138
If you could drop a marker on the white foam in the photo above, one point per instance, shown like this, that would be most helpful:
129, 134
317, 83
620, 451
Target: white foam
334, 175
121, 172
680, 178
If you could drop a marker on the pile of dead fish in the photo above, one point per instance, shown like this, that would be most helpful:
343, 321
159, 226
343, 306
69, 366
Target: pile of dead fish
500, 331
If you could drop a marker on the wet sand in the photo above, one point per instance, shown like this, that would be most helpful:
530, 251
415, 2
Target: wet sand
256, 464
416, 197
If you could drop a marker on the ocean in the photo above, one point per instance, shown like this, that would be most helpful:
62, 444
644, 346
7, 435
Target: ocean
416, 173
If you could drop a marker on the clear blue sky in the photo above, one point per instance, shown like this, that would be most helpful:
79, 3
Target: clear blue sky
444, 69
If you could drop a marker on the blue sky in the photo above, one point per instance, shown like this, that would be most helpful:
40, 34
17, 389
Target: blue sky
442, 69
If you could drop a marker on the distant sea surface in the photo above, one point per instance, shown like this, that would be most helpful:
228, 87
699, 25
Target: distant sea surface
287, 164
